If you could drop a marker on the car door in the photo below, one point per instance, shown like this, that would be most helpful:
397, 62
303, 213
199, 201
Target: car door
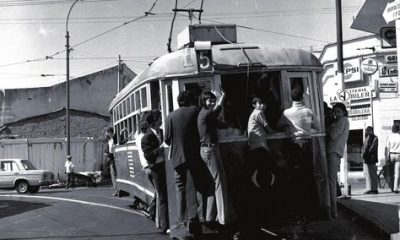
8, 172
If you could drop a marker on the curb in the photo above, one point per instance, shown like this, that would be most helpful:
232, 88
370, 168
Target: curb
376, 227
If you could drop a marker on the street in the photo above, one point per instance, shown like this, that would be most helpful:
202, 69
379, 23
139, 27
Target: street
81, 213
92, 213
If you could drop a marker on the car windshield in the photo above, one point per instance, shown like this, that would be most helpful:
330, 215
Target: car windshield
27, 165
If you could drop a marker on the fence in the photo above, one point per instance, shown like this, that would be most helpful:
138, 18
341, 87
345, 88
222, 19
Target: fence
50, 153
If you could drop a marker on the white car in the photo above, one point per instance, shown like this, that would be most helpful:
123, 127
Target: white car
23, 176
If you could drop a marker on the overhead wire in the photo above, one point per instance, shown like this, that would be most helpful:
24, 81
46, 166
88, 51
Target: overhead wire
149, 12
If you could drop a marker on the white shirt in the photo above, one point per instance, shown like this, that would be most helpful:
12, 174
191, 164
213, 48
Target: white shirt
393, 143
256, 130
138, 138
69, 167
302, 118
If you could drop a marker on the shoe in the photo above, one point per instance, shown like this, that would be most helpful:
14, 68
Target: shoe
396, 192
368, 192
374, 192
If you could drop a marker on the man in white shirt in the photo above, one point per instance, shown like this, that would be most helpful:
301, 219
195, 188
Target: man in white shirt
69, 171
392, 154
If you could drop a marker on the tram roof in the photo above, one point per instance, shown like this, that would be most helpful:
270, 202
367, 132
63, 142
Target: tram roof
225, 57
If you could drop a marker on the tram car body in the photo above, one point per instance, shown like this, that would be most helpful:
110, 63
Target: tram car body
242, 70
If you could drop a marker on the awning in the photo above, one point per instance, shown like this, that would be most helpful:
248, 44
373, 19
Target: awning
369, 18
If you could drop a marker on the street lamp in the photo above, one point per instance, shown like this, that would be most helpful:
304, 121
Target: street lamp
67, 82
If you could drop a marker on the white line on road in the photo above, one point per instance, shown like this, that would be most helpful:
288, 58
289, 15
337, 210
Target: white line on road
74, 201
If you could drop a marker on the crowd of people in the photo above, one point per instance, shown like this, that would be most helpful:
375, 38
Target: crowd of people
202, 193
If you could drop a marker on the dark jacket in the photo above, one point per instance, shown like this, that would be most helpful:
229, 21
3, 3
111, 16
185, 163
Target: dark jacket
182, 135
150, 147
370, 149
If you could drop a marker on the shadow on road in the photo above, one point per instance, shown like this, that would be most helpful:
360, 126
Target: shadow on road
96, 236
10, 208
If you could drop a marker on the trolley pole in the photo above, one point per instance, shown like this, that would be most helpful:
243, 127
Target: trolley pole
68, 133
339, 35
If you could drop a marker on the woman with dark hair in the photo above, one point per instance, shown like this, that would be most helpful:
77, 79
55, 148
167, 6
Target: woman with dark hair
337, 136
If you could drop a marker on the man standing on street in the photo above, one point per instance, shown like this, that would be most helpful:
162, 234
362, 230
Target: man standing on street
370, 157
109, 152
69, 171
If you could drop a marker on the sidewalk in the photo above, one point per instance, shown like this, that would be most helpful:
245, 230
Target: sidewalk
380, 211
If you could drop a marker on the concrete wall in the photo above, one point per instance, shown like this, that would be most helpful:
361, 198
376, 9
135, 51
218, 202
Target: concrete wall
91, 93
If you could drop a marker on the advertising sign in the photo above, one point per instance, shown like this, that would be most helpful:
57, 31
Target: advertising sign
391, 58
359, 93
369, 66
388, 70
360, 111
388, 37
387, 86
352, 72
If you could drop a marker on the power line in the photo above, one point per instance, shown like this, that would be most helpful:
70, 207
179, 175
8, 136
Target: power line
149, 12
21, 3
270, 31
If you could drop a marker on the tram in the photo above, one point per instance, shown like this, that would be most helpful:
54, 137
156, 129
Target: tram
209, 58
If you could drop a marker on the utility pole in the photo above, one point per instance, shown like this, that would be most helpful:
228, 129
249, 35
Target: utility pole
339, 35
119, 83
67, 82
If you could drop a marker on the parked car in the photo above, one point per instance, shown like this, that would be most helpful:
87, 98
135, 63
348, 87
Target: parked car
23, 176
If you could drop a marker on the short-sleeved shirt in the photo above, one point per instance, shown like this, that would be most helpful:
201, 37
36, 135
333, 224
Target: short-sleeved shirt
207, 123
256, 129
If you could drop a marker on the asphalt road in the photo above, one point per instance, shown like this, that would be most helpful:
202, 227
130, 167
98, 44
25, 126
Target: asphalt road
92, 213
82, 213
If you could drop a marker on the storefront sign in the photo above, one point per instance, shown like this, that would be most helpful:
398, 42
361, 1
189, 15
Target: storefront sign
369, 66
388, 71
360, 111
388, 87
391, 58
359, 93
351, 70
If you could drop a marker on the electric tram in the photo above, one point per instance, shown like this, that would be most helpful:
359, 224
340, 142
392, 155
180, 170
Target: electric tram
209, 58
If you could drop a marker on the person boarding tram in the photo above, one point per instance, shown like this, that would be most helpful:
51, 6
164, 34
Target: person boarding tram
218, 206
153, 153
337, 136
182, 135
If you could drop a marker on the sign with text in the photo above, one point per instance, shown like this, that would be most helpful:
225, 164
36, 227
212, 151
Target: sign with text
360, 111
388, 87
351, 70
388, 70
392, 58
392, 11
369, 66
360, 93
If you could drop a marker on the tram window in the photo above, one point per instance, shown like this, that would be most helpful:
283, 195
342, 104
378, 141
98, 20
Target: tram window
128, 106
143, 97
196, 88
137, 100
302, 83
241, 88
170, 106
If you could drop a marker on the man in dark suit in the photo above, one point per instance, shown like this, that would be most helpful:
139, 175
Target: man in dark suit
182, 135
152, 151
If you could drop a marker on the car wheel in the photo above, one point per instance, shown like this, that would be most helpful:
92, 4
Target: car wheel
22, 186
34, 189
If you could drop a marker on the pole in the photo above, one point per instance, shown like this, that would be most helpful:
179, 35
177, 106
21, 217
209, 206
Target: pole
119, 74
339, 36
68, 100
68, 133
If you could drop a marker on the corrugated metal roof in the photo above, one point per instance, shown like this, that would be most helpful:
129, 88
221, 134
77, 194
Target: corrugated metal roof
225, 56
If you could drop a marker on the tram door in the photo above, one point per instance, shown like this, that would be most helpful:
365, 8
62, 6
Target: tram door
197, 85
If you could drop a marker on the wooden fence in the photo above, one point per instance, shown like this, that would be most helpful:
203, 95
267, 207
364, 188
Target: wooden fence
50, 153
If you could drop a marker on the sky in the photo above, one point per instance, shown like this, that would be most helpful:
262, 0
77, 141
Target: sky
32, 32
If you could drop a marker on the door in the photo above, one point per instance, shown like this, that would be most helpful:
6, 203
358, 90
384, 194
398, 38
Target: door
8, 172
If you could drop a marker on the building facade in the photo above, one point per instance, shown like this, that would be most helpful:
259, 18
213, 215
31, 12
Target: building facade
370, 89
